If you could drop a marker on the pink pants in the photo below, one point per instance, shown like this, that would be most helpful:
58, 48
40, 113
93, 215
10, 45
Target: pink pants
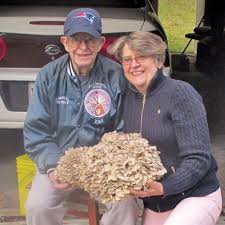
190, 211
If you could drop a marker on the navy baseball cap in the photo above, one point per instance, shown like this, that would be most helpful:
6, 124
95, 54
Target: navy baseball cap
83, 20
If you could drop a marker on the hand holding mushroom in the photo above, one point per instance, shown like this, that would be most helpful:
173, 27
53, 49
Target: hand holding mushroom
155, 188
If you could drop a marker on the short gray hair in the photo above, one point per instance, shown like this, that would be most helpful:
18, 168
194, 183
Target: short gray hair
143, 43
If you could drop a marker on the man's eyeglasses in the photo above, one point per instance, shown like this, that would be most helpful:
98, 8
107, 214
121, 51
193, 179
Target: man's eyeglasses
128, 60
89, 41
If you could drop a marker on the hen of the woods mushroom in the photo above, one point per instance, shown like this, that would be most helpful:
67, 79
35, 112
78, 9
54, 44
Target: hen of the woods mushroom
108, 169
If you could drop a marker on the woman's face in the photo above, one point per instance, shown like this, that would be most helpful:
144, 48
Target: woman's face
139, 70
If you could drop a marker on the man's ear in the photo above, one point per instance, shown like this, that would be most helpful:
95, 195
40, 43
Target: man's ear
64, 41
101, 43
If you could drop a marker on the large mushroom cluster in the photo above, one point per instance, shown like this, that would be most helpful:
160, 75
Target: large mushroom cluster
107, 170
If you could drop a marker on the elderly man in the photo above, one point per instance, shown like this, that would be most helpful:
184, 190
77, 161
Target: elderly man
76, 99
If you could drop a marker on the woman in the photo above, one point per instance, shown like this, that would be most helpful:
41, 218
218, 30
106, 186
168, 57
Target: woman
171, 115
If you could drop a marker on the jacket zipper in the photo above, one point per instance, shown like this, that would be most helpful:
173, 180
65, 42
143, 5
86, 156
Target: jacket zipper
158, 207
142, 112
173, 169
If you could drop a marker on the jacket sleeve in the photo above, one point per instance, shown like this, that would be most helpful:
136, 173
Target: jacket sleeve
191, 130
38, 140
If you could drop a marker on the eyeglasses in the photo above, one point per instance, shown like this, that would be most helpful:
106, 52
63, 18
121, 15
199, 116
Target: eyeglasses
128, 60
89, 41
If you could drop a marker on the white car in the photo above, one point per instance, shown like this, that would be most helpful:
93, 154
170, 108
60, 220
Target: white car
30, 38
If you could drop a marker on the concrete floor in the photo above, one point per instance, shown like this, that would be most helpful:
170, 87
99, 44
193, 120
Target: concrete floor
9, 195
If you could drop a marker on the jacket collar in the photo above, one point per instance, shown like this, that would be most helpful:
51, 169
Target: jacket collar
72, 72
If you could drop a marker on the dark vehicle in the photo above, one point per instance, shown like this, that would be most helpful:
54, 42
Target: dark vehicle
210, 36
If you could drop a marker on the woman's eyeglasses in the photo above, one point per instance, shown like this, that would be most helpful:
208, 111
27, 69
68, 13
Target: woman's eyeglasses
138, 59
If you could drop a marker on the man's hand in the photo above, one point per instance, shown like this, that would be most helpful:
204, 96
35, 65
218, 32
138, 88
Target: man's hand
154, 189
57, 184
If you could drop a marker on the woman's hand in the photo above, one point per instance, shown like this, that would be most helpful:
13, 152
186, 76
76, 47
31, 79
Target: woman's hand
154, 189
57, 184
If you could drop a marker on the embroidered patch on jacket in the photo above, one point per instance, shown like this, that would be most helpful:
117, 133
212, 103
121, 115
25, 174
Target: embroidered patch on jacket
97, 102
62, 100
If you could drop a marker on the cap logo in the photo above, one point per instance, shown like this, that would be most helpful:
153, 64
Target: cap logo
88, 16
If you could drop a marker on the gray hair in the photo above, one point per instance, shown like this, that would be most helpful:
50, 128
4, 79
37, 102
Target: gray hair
143, 43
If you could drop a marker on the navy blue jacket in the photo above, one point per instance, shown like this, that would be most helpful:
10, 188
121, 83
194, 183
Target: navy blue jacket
172, 117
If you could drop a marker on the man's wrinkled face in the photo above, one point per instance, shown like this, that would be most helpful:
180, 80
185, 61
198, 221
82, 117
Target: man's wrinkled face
82, 48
